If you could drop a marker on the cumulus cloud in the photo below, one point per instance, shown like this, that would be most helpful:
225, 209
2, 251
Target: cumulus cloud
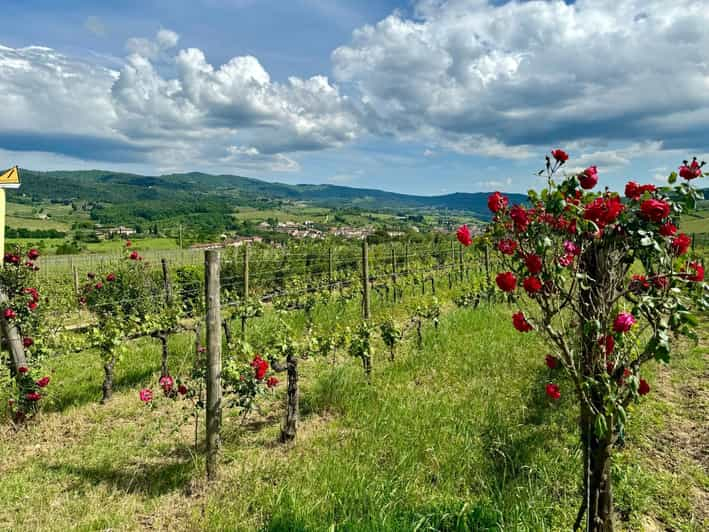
231, 114
497, 79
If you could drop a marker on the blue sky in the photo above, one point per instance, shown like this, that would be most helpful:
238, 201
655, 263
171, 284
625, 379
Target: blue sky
416, 96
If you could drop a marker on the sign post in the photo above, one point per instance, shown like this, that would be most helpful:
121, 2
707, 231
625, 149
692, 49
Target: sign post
9, 179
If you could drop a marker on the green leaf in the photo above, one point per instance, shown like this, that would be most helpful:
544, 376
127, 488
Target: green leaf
673, 178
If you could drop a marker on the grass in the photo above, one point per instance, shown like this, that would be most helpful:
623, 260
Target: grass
696, 222
457, 435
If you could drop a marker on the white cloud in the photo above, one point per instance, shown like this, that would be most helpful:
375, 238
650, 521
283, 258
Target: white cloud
496, 80
233, 114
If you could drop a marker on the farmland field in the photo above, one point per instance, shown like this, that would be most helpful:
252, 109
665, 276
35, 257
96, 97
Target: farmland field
455, 435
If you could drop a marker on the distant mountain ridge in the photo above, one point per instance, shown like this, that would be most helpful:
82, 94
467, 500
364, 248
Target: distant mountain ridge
232, 190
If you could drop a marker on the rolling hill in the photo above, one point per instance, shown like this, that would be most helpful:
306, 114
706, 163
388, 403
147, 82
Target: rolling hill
157, 197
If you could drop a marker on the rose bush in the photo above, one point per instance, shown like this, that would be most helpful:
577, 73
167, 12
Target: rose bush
608, 283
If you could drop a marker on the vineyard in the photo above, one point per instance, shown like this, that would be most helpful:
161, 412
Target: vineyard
313, 387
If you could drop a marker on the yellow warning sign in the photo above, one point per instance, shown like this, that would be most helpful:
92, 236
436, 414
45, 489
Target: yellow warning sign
10, 179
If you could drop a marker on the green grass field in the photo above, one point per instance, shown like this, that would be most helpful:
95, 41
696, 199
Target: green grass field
696, 222
457, 435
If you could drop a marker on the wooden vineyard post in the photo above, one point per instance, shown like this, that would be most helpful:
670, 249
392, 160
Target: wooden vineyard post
246, 286
290, 422
12, 335
366, 303
487, 265
330, 268
166, 282
393, 272
75, 276
214, 360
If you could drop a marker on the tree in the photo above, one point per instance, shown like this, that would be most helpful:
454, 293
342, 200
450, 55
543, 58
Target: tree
609, 283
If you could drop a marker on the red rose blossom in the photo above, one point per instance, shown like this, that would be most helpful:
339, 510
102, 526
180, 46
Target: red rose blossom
146, 395
643, 387
698, 275
680, 244
22, 369
33, 396
560, 155
43, 382
532, 285
553, 392
691, 171
533, 263
654, 210
608, 343
272, 382
604, 210
166, 383
27, 341
589, 177
496, 202
99, 286
668, 229
182, 389
33, 254
507, 247
260, 367
520, 322
111, 277
9, 314
506, 281
520, 217
551, 361
623, 322
464, 236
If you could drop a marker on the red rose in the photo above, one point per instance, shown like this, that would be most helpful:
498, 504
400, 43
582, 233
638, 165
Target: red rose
520, 322
111, 277
260, 366
32, 305
532, 285
182, 389
668, 229
589, 177
520, 217
680, 244
639, 283
623, 322
23, 369
506, 281
99, 286
146, 395
691, 171
507, 247
643, 387
134, 256
272, 382
654, 210
464, 236
533, 263
603, 210
33, 396
553, 391
632, 191
43, 382
496, 202
551, 361
9, 314
560, 155
698, 275
27, 341
166, 383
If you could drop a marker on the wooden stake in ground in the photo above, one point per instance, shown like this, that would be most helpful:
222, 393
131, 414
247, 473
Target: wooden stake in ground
365, 281
290, 423
214, 361
14, 340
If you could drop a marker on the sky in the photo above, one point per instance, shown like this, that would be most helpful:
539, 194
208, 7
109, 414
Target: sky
413, 96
